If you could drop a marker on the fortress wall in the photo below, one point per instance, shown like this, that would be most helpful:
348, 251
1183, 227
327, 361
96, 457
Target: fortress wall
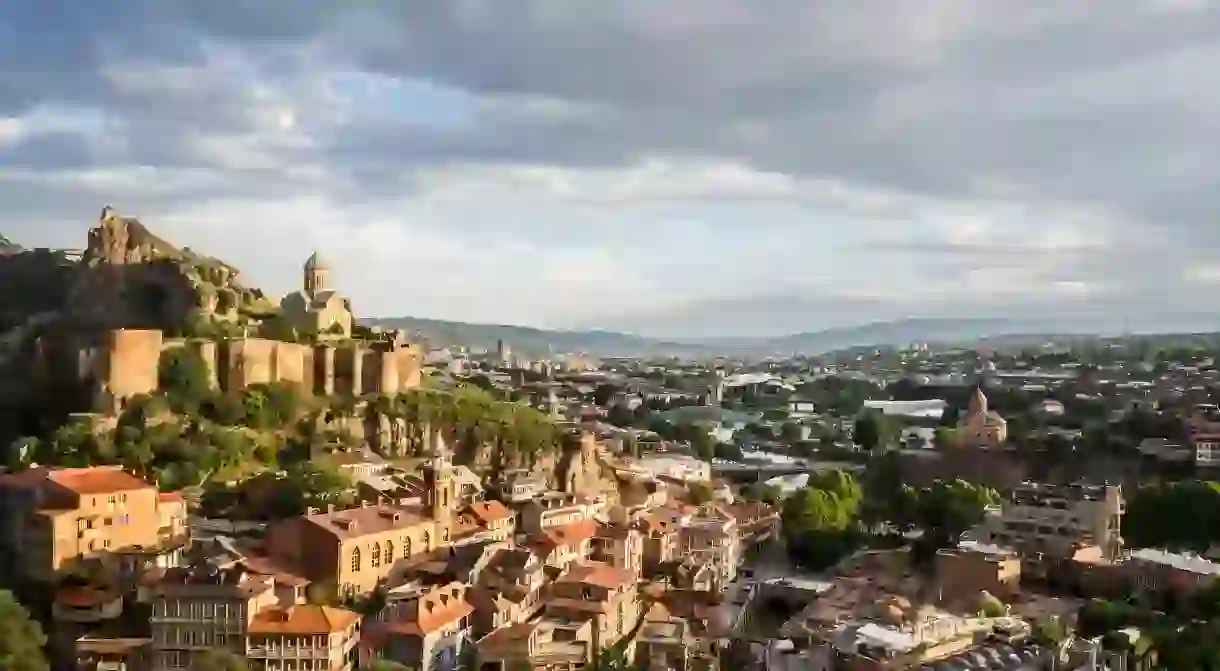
293, 362
348, 371
250, 361
387, 368
323, 371
370, 371
126, 366
409, 361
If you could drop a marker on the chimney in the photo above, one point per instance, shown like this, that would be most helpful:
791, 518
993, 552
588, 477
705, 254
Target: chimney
330, 509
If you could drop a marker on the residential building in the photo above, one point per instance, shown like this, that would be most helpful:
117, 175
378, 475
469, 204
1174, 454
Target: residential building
50, 517
554, 509
710, 535
303, 636
258, 616
509, 591
1056, 519
496, 522
430, 633
559, 546
1162, 572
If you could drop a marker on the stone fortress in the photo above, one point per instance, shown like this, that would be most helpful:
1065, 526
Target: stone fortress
119, 335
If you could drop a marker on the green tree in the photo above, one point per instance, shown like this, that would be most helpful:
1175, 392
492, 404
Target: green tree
183, 376
945, 510
820, 521
873, 431
21, 638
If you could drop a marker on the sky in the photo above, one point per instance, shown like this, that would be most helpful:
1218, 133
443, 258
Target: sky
677, 168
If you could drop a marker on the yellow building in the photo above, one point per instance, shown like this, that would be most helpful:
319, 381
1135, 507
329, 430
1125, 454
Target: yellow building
355, 549
51, 517
317, 308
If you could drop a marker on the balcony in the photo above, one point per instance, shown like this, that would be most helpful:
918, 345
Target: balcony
286, 652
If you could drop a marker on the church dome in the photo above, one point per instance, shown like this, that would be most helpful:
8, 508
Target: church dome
316, 262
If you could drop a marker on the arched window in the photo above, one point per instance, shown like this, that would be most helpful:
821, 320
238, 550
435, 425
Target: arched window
376, 555
427, 541
406, 546
389, 552
355, 559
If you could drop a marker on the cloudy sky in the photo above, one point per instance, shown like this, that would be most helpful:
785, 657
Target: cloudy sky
677, 168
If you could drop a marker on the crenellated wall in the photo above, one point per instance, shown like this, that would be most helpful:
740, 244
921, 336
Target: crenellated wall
126, 365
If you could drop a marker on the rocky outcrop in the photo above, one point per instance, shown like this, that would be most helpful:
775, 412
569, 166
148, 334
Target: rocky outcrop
132, 278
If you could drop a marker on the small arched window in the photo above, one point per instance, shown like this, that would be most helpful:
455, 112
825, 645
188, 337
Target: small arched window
389, 552
355, 559
427, 541
406, 546
376, 555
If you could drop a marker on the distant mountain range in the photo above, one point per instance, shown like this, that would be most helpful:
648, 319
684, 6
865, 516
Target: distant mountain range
536, 342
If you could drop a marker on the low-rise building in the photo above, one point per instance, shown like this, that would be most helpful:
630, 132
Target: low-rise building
430, 633
52, 516
1056, 519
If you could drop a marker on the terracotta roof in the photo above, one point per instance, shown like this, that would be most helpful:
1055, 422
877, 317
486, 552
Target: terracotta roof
440, 607
303, 619
598, 574
170, 496
97, 480
566, 534
490, 511
356, 522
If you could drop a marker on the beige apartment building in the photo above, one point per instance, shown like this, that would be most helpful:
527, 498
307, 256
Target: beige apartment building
1057, 519
355, 549
430, 633
590, 607
255, 616
51, 517
509, 591
554, 509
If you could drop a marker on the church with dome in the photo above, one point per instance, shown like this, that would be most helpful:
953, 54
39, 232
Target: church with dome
981, 427
316, 307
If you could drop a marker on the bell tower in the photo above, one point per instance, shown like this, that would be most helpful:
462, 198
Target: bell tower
440, 485
317, 275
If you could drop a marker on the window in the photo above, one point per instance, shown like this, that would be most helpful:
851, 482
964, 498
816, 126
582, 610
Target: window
427, 541
406, 546
355, 559
376, 555
389, 552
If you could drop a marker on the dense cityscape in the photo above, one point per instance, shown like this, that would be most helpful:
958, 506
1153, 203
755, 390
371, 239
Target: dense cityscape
588, 335
199, 477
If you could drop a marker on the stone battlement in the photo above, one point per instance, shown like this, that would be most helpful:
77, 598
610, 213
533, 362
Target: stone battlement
126, 365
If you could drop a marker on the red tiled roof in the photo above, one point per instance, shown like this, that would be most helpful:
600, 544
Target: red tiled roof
303, 619
598, 574
567, 534
97, 480
490, 511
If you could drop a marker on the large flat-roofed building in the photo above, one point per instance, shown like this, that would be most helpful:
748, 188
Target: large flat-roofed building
1056, 519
